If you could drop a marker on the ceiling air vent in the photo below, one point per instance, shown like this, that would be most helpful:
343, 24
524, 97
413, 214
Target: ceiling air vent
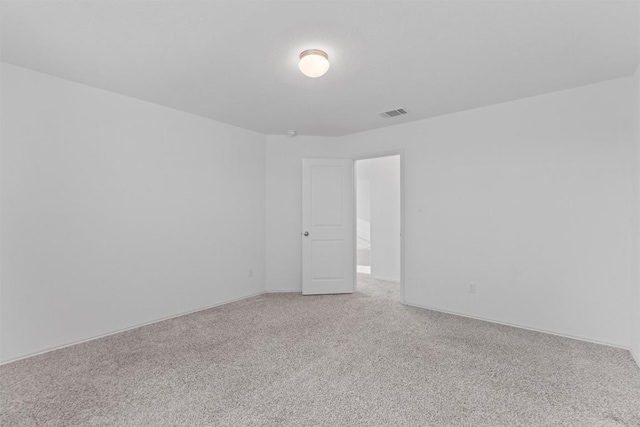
394, 113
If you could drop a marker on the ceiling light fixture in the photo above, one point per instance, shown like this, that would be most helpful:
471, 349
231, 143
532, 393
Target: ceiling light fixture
313, 63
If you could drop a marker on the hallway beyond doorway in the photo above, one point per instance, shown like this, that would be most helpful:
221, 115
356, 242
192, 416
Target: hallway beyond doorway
378, 217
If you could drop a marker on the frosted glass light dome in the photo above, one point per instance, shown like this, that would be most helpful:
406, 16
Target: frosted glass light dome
313, 63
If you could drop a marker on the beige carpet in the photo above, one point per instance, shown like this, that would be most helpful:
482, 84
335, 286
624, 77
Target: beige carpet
349, 360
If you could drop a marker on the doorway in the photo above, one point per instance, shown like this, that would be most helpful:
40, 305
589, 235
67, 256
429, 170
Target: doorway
379, 225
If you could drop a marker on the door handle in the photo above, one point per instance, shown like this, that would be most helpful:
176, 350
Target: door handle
306, 233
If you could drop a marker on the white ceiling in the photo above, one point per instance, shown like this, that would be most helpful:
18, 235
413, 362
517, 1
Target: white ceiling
236, 62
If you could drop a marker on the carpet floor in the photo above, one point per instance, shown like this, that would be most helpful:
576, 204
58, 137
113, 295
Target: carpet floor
339, 360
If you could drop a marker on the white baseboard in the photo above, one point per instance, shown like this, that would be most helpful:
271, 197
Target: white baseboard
279, 291
26, 356
515, 325
633, 355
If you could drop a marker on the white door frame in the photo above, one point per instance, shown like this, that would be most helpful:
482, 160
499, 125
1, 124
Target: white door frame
374, 155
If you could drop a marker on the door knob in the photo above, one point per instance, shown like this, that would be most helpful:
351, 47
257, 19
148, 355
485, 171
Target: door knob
306, 233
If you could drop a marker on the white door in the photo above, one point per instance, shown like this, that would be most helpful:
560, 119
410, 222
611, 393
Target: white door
327, 226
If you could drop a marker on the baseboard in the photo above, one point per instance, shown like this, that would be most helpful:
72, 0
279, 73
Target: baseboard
515, 325
633, 355
386, 279
279, 291
26, 356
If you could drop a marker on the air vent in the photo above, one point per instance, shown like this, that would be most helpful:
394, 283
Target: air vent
394, 113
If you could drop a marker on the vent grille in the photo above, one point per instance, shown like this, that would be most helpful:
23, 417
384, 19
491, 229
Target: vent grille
394, 113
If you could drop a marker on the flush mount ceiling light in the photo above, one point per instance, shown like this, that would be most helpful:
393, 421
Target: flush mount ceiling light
313, 63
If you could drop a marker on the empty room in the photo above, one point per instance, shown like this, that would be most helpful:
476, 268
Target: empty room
319, 213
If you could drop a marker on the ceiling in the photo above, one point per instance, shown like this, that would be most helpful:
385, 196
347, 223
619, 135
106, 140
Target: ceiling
236, 61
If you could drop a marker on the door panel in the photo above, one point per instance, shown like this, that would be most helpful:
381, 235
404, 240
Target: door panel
327, 217
326, 197
327, 259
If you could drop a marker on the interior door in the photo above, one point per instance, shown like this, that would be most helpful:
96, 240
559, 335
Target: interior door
327, 226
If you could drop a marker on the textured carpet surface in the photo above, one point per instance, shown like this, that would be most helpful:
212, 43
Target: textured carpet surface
339, 360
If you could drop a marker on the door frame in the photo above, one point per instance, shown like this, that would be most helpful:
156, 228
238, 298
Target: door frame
374, 155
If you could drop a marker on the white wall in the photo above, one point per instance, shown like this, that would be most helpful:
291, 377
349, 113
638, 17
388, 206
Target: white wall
385, 217
117, 212
529, 200
635, 342
363, 204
